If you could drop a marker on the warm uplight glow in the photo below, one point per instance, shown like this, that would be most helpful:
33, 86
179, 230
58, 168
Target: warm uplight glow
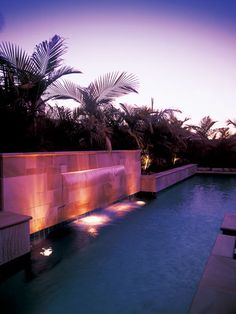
175, 159
146, 161
46, 252
140, 203
94, 220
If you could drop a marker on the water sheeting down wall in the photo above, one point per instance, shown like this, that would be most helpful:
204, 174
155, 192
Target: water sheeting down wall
105, 185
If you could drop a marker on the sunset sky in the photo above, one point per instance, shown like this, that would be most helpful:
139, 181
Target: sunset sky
183, 52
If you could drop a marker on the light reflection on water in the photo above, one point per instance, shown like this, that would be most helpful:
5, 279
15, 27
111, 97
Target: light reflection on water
93, 220
92, 223
92, 231
125, 207
47, 253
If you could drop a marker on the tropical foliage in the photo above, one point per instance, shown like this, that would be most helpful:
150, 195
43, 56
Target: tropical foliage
94, 101
24, 79
29, 122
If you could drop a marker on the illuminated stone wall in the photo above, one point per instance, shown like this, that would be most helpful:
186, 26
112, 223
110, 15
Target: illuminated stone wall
105, 185
41, 184
159, 181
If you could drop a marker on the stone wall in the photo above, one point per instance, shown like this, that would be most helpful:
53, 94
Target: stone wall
33, 184
159, 181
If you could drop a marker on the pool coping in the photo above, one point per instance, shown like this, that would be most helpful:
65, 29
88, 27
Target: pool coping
159, 181
209, 170
216, 290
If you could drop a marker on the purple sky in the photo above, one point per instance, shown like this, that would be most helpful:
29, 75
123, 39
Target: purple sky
183, 52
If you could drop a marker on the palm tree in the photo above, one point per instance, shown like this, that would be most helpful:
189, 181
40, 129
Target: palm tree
94, 99
139, 122
153, 133
24, 79
62, 130
204, 129
202, 141
131, 124
223, 133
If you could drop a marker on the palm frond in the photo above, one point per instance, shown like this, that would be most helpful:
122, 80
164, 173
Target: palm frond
18, 66
113, 85
13, 56
129, 111
48, 55
64, 90
18, 63
65, 70
232, 122
206, 123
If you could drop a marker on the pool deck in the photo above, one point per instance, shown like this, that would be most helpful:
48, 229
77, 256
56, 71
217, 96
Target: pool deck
217, 289
224, 246
229, 224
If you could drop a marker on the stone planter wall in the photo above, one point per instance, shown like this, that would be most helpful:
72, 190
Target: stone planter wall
34, 184
159, 181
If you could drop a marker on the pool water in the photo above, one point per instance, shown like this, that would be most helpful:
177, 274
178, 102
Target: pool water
147, 261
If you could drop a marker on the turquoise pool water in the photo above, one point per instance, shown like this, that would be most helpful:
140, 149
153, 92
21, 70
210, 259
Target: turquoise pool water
149, 261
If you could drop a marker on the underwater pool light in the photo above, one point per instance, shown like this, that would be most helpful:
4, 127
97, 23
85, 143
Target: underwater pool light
140, 203
46, 252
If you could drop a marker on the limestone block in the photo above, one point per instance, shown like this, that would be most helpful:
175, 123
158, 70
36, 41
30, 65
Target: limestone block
22, 191
13, 166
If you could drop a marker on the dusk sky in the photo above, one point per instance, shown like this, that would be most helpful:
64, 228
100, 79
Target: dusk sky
183, 52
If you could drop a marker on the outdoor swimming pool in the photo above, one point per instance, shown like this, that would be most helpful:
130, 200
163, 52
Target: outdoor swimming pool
150, 260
